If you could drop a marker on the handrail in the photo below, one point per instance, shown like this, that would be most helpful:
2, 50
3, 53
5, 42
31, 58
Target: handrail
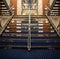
8, 7
48, 10
29, 37
50, 20
58, 27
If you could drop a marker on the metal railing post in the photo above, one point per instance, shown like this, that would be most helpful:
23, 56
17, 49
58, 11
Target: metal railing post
29, 31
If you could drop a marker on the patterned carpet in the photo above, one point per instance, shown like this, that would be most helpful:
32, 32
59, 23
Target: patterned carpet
33, 54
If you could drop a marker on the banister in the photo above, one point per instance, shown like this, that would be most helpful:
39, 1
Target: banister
50, 20
51, 6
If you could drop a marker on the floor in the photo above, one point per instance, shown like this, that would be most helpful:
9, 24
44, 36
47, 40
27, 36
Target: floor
33, 54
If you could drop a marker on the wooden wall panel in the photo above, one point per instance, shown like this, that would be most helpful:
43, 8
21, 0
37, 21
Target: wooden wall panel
45, 3
14, 4
46, 26
12, 25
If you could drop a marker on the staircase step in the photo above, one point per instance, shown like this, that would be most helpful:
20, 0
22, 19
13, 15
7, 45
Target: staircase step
1, 2
2, 6
33, 28
22, 43
23, 32
28, 22
55, 10
46, 44
56, 6
8, 38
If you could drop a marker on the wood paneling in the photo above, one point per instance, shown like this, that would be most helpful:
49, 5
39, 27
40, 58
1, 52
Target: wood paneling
12, 25
14, 4
45, 3
47, 26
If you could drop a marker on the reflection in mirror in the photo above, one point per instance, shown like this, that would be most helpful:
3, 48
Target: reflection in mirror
33, 4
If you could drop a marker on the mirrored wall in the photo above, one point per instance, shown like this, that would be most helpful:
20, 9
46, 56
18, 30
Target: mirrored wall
29, 4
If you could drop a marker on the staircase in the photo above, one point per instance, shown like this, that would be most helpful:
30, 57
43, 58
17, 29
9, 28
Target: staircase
29, 33
4, 8
20, 34
55, 8
6, 15
38, 35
